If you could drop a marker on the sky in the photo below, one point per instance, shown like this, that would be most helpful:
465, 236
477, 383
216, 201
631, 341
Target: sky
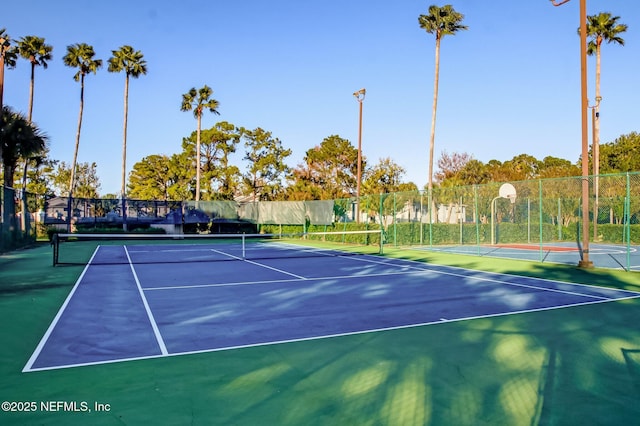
509, 85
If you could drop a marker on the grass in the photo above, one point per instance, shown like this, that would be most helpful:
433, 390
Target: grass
577, 365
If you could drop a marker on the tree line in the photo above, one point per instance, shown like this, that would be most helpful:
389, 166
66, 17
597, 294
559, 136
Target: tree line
328, 171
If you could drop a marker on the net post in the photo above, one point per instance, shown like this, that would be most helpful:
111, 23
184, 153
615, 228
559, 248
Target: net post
244, 256
381, 251
54, 244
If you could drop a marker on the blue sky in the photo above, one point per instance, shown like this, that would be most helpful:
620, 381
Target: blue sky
509, 85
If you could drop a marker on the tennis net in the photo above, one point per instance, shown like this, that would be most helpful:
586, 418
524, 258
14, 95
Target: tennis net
105, 249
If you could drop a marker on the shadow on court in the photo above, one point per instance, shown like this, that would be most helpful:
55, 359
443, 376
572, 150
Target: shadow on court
565, 366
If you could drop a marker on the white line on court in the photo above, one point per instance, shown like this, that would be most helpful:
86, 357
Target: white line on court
154, 325
329, 336
506, 282
43, 341
300, 277
260, 264
410, 267
336, 277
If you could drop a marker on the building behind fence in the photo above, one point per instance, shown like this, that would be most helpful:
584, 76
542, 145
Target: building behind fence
543, 211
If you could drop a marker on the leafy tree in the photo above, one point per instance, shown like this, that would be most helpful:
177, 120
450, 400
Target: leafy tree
450, 166
39, 176
522, 167
302, 188
18, 139
198, 101
150, 178
267, 170
622, 155
553, 167
87, 182
221, 179
181, 177
458, 169
8, 56
384, 177
328, 172
474, 172
498, 172
159, 177
440, 21
601, 27
80, 56
132, 63
462, 169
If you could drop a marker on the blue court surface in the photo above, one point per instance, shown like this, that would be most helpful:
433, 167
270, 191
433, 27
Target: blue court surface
126, 307
613, 256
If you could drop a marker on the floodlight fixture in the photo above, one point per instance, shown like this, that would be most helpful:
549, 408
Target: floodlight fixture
556, 3
360, 94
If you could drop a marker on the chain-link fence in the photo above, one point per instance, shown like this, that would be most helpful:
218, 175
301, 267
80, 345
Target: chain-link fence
542, 219
20, 223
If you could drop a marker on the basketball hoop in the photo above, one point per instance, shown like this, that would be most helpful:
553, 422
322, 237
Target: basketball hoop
506, 191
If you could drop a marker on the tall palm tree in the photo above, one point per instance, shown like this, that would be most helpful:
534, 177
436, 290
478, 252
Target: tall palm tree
601, 27
132, 63
8, 57
440, 21
37, 52
199, 100
80, 55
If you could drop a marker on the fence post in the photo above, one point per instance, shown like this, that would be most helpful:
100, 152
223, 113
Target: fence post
430, 200
628, 222
395, 230
476, 214
540, 219
559, 219
528, 220
421, 224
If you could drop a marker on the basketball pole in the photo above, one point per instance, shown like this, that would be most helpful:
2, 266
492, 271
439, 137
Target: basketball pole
359, 95
584, 262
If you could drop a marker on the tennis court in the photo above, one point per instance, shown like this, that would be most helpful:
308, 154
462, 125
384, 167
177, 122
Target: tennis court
309, 335
136, 301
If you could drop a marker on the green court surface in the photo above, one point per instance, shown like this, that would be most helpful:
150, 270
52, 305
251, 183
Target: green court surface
575, 365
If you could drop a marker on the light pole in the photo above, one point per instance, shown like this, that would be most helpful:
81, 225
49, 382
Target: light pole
584, 262
359, 95
595, 154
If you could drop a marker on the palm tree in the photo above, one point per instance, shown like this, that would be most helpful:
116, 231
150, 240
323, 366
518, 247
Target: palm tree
131, 62
198, 100
7, 58
601, 27
37, 52
440, 21
19, 138
80, 56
